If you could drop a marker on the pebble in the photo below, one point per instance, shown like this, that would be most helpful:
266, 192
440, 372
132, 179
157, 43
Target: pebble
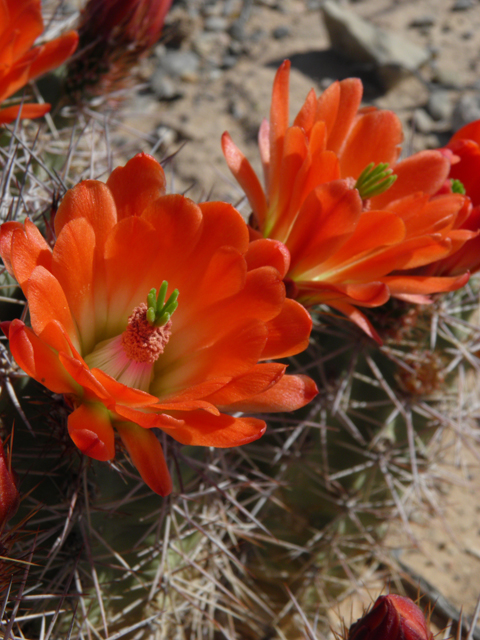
216, 24
180, 64
466, 110
166, 135
229, 61
361, 41
163, 87
463, 5
280, 32
422, 121
423, 21
237, 31
439, 105
447, 77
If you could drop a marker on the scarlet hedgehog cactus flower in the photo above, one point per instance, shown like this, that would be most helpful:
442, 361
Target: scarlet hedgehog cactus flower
356, 221
114, 34
464, 152
9, 496
392, 617
129, 358
21, 24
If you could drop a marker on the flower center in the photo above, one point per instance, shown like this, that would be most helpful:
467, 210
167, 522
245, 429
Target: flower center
142, 341
375, 180
130, 356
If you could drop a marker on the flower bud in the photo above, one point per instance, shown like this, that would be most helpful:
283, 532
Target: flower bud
9, 496
392, 617
114, 35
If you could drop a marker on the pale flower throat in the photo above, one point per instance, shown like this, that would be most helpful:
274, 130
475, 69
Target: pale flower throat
130, 356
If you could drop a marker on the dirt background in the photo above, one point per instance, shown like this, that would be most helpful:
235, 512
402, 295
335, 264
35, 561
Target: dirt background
223, 83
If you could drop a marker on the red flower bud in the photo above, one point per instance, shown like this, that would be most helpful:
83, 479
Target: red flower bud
391, 618
114, 35
9, 496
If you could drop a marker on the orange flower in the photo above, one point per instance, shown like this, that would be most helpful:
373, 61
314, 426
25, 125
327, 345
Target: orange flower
352, 234
464, 147
20, 24
123, 356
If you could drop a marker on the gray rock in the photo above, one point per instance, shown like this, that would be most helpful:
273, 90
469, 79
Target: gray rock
180, 64
216, 23
466, 110
463, 5
422, 121
352, 36
237, 31
166, 136
163, 87
280, 32
447, 77
229, 61
439, 105
423, 21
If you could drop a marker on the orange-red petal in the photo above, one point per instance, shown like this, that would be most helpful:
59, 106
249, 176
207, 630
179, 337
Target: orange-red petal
93, 201
136, 185
147, 455
9, 114
289, 394
90, 428
424, 172
245, 176
206, 430
48, 304
289, 332
39, 360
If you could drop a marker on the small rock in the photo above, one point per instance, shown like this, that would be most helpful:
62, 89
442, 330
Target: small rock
166, 136
180, 64
214, 74
237, 109
363, 42
423, 21
229, 61
216, 23
258, 35
422, 121
237, 31
463, 5
467, 35
280, 32
236, 48
466, 110
439, 105
163, 87
447, 77
326, 82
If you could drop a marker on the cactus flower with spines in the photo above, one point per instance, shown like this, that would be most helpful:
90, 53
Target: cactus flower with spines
337, 197
130, 358
464, 178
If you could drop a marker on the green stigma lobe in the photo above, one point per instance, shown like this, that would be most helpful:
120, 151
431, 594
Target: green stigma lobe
375, 180
457, 187
159, 312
